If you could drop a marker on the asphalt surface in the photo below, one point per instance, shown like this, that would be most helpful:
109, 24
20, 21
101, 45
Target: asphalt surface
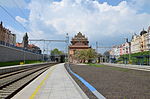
114, 82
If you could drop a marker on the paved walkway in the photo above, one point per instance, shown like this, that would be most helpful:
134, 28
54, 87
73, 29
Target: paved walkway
55, 83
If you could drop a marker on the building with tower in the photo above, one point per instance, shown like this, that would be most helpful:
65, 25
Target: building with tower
140, 43
25, 44
78, 42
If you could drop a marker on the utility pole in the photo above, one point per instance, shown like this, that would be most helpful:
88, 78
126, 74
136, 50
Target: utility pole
67, 41
48, 55
97, 52
43, 40
96, 46
43, 50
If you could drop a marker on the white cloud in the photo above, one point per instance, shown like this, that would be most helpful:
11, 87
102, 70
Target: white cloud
140, 3
99, 21
21, 20
19, 34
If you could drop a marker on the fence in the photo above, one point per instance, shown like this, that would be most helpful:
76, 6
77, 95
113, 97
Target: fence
20, 48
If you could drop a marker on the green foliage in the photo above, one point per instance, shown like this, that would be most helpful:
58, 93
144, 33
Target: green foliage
85, 55
18, 62
81, 54
132, 57
112, 68
97, 65
91, 54
56, 52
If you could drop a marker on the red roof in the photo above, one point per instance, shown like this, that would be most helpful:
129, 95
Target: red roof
19, 44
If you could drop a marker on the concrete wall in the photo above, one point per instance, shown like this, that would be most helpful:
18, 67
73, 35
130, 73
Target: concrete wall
12, 54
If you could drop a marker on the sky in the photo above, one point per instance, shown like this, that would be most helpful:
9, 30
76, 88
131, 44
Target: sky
107, 22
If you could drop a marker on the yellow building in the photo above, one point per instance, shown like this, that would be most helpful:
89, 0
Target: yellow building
135, 43
144, 40
140, 43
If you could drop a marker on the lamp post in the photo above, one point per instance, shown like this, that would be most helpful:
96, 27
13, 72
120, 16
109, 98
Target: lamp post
43, 50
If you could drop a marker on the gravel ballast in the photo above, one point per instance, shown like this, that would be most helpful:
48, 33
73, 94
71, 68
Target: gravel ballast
114, 82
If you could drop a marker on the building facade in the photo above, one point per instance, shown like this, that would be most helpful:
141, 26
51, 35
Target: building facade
30, 47
138, 43
145, 40
6, 37
115, 52
141, 43
148, 38
78, 42
121, 49
135, 44
34, 48
126, 47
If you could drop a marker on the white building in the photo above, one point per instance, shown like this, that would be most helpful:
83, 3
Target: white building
140, 43
144, 40
126, 47
148, 38
115, 52
135, 44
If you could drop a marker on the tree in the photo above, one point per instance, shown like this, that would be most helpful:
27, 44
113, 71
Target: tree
56, 52
91, 54
80, 55
85, 55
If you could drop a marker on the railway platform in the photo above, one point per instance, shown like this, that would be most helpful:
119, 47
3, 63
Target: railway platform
55, 83
129, 66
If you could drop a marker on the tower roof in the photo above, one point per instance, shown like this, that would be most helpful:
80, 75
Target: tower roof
26, 35
79, 36
143, 32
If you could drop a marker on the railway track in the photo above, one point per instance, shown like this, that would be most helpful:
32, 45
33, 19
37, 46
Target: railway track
11, 83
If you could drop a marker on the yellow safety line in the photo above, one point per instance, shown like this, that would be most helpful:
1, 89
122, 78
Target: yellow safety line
40, 85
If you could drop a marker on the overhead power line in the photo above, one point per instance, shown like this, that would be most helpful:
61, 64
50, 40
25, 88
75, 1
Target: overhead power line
13, 17
48, 40
18, 7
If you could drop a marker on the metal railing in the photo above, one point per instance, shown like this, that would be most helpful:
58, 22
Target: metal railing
19, 48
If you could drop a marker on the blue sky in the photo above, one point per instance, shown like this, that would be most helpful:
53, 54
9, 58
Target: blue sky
112, 2
105, 21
